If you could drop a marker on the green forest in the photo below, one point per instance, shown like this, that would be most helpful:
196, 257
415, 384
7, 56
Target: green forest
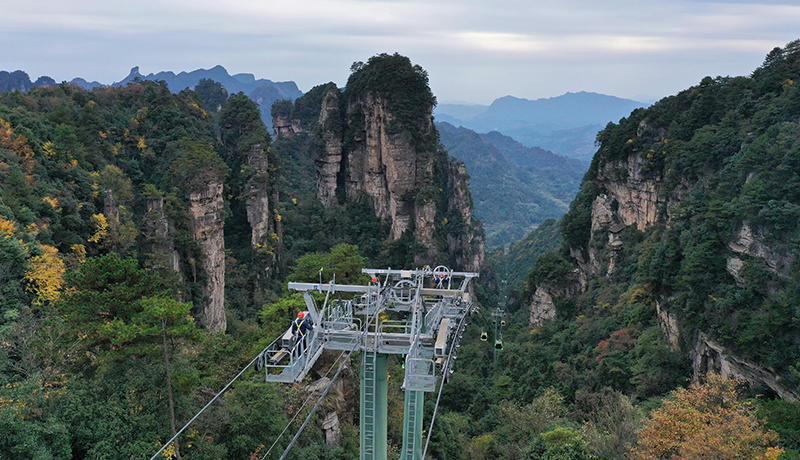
106, 349
514, 188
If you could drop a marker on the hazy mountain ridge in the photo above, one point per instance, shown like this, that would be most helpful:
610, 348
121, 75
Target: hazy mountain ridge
264, 92
559, 124
19, 80
241, 82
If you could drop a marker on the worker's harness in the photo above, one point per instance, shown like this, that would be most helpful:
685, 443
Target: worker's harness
299, 327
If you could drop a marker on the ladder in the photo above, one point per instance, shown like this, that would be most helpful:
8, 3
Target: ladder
368, 407
374, 390
412, 427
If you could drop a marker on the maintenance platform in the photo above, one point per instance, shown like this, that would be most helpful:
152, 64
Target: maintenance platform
429, 308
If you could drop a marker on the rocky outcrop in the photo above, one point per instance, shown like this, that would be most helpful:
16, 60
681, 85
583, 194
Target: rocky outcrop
334, 404
630, 197
734, 266
284, 128
387, 170
333, 430
159, 246
709, 357
669, 326
365, 153
207, 218
110, 208
749, 242
473, 244
382, 165
257, 202
541, 307
329, 161
631, 194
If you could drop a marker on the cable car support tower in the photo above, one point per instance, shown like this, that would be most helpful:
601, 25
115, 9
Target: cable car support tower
431, 305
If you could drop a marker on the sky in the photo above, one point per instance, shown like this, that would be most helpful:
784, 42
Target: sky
474, 50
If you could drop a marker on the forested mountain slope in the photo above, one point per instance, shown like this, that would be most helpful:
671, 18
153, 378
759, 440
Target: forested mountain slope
115, 206
514, 187
679, 262
685, 232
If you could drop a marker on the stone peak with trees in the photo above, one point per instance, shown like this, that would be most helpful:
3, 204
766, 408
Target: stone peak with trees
375, 142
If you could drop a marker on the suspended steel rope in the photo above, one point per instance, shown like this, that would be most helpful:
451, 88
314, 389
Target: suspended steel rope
324, 393
309, 398
206, 407
441, 386
226, 389
314, 409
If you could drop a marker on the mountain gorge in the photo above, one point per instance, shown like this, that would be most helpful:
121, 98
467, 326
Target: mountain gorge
514, 187
145, 243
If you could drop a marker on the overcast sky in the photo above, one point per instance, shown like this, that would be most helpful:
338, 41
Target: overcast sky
474, 50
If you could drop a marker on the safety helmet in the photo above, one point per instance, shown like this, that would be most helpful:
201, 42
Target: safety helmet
301, 314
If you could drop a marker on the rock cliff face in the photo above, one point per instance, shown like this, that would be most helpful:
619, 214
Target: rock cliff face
329, 161
460, 204
630, 192
285, 128
709, 357
207, 214
385, 168
257, 202
159, 245
632, 195
751, 243
541, 306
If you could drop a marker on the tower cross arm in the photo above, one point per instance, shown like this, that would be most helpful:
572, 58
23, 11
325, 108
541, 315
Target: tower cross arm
327, 287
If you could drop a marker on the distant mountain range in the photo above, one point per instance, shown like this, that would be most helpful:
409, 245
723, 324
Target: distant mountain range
565, 125
19, 80
263, 92
514, 187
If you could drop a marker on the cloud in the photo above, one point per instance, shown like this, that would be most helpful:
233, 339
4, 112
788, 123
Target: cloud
464, 41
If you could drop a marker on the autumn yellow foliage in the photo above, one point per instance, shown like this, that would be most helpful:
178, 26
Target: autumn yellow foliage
79, 251
705, 422
6, 227
45, 276
51, 201
48, 149
101, 228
